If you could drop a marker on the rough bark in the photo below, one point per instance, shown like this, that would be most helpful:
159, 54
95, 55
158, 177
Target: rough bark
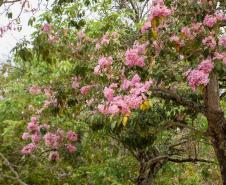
147, 173
216, 123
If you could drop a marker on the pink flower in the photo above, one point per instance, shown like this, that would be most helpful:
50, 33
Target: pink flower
51, 140
210, 20
175, 39
46, 27
72, 136
101, 108
126, 84
75, 82
48, 92
54, 156
25, 136
113, 109
34, 119
105, 62
28, 149
209, 42
146, 27
46, 104
71, 149
133, 101
98, 46
115, 35
113, 85
97, 70
35, 90
36, 138
159, 10
206, 66
222, 41
220, 16
33, 127
53, 39
220, 56
108, 93
197, 77
133, 59
135, 79
85, 89
89, 102
141, 48
187, 32
105, 39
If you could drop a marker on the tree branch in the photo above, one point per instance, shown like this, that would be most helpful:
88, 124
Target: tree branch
176, 160
171, 95
8, 164
13, 1
191, 160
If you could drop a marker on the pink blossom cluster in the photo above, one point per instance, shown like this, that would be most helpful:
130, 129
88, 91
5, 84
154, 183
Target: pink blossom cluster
49, 101
54, 39
46, 28
28, 149
34, 134
103, 64
135, 56
175, 39
192, 30
123, 104
200, 76
211, 20
210, 42
146, 27
75, 82
52, 36
220, 56
53, 140
105, 40
35, 90
220, 16
159, 10
85, 89
222, 41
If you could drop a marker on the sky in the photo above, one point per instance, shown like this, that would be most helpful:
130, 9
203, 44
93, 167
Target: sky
10, 38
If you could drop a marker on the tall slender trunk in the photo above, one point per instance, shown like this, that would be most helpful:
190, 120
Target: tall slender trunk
216, 123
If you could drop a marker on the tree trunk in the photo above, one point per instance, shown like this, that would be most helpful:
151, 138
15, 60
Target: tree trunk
216, 123
147, 173
220, 153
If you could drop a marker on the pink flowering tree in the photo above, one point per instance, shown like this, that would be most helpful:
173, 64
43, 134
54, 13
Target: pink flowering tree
188, 59
177, 55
